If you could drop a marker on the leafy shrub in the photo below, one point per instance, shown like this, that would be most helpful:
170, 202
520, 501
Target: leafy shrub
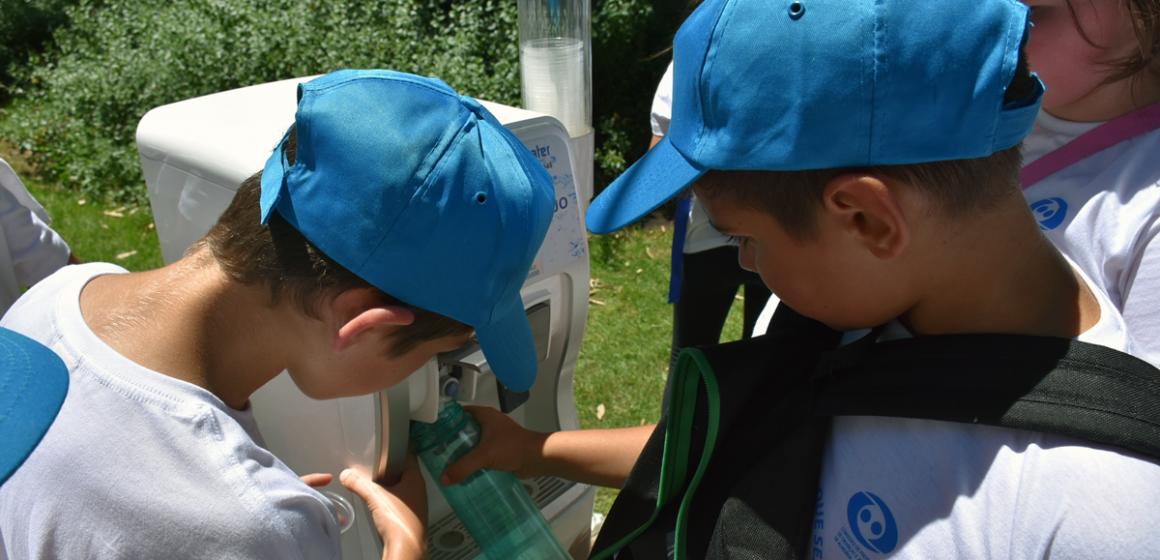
630, 39
25, 27
119, 58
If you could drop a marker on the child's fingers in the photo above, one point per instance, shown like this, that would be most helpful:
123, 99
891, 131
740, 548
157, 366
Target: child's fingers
459, 471
317, 480
485, 414
504, 446
365, 488
399, 517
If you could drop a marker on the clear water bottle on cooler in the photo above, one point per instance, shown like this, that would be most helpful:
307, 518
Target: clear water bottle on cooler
493, 505
556, 74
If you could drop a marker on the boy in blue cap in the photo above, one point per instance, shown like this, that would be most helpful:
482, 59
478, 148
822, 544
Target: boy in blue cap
337, 263
866, 156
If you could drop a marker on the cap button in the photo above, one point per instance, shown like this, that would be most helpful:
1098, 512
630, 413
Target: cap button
471, 104
796, 10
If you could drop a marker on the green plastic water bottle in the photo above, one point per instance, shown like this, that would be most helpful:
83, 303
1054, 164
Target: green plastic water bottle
493, 505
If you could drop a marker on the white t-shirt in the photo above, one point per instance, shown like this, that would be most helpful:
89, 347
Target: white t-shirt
141, 465
1104, 213
903, 488
700, 235
29, 249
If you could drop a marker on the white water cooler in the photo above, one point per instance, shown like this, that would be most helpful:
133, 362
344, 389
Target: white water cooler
195, 153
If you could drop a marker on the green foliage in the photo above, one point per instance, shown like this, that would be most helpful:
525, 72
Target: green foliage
630, 39
25, 26
617, 145
121, 58
117, 59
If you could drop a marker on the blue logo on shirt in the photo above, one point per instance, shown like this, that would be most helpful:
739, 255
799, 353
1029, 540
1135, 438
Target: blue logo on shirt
1050, 212
872, 522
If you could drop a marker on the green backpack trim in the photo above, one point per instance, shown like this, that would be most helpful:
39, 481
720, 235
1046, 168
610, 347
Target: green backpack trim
688, 403
692, 369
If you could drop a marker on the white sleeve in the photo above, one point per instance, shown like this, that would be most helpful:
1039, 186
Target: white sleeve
662, 105
12, 183
36, 250
1141, 302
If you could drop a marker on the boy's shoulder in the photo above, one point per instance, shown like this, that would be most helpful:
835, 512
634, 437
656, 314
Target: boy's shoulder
37, 312
120, 450
137, 432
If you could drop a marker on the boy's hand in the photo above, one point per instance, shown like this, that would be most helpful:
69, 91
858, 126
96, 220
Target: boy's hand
400, 514
317, 480
504, 445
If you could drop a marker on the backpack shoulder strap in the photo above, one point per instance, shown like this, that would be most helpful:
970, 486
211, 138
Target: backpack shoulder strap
653, 484
714, 388
1042, 384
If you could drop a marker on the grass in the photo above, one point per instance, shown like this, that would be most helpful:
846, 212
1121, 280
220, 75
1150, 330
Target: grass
624, 359
95, 231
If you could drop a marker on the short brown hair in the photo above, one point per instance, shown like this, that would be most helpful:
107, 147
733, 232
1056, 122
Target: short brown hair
279, 257
958, 187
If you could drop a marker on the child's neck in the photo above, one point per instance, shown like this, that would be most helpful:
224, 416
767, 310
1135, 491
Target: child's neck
1001, 276
1111, 100
189, 322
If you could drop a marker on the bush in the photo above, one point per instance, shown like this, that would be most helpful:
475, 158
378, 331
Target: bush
630, 42
25, 27
119, 58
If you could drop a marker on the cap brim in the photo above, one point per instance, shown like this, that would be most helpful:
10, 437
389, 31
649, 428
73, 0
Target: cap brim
510, 349
658, 176
33, 385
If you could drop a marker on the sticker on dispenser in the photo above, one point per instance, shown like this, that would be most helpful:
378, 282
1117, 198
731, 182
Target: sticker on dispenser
544, 154
567, 239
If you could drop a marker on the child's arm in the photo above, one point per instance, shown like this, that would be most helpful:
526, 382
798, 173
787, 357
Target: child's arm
600, 457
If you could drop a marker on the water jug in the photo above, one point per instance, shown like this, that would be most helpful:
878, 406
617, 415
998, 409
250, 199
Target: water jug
493, 505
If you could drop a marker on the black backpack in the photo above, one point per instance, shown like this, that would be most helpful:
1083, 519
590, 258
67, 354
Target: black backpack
732, 470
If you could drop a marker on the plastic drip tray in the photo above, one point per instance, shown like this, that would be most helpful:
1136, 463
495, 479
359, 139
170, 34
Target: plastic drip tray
447, 539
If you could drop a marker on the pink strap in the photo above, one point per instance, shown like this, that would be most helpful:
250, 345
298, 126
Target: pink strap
1124, 127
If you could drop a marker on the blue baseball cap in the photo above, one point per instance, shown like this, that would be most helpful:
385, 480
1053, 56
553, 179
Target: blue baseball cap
33, 384
424, 194
786, 85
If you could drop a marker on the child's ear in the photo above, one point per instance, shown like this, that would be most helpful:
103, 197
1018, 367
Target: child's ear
867, 208
359, 310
